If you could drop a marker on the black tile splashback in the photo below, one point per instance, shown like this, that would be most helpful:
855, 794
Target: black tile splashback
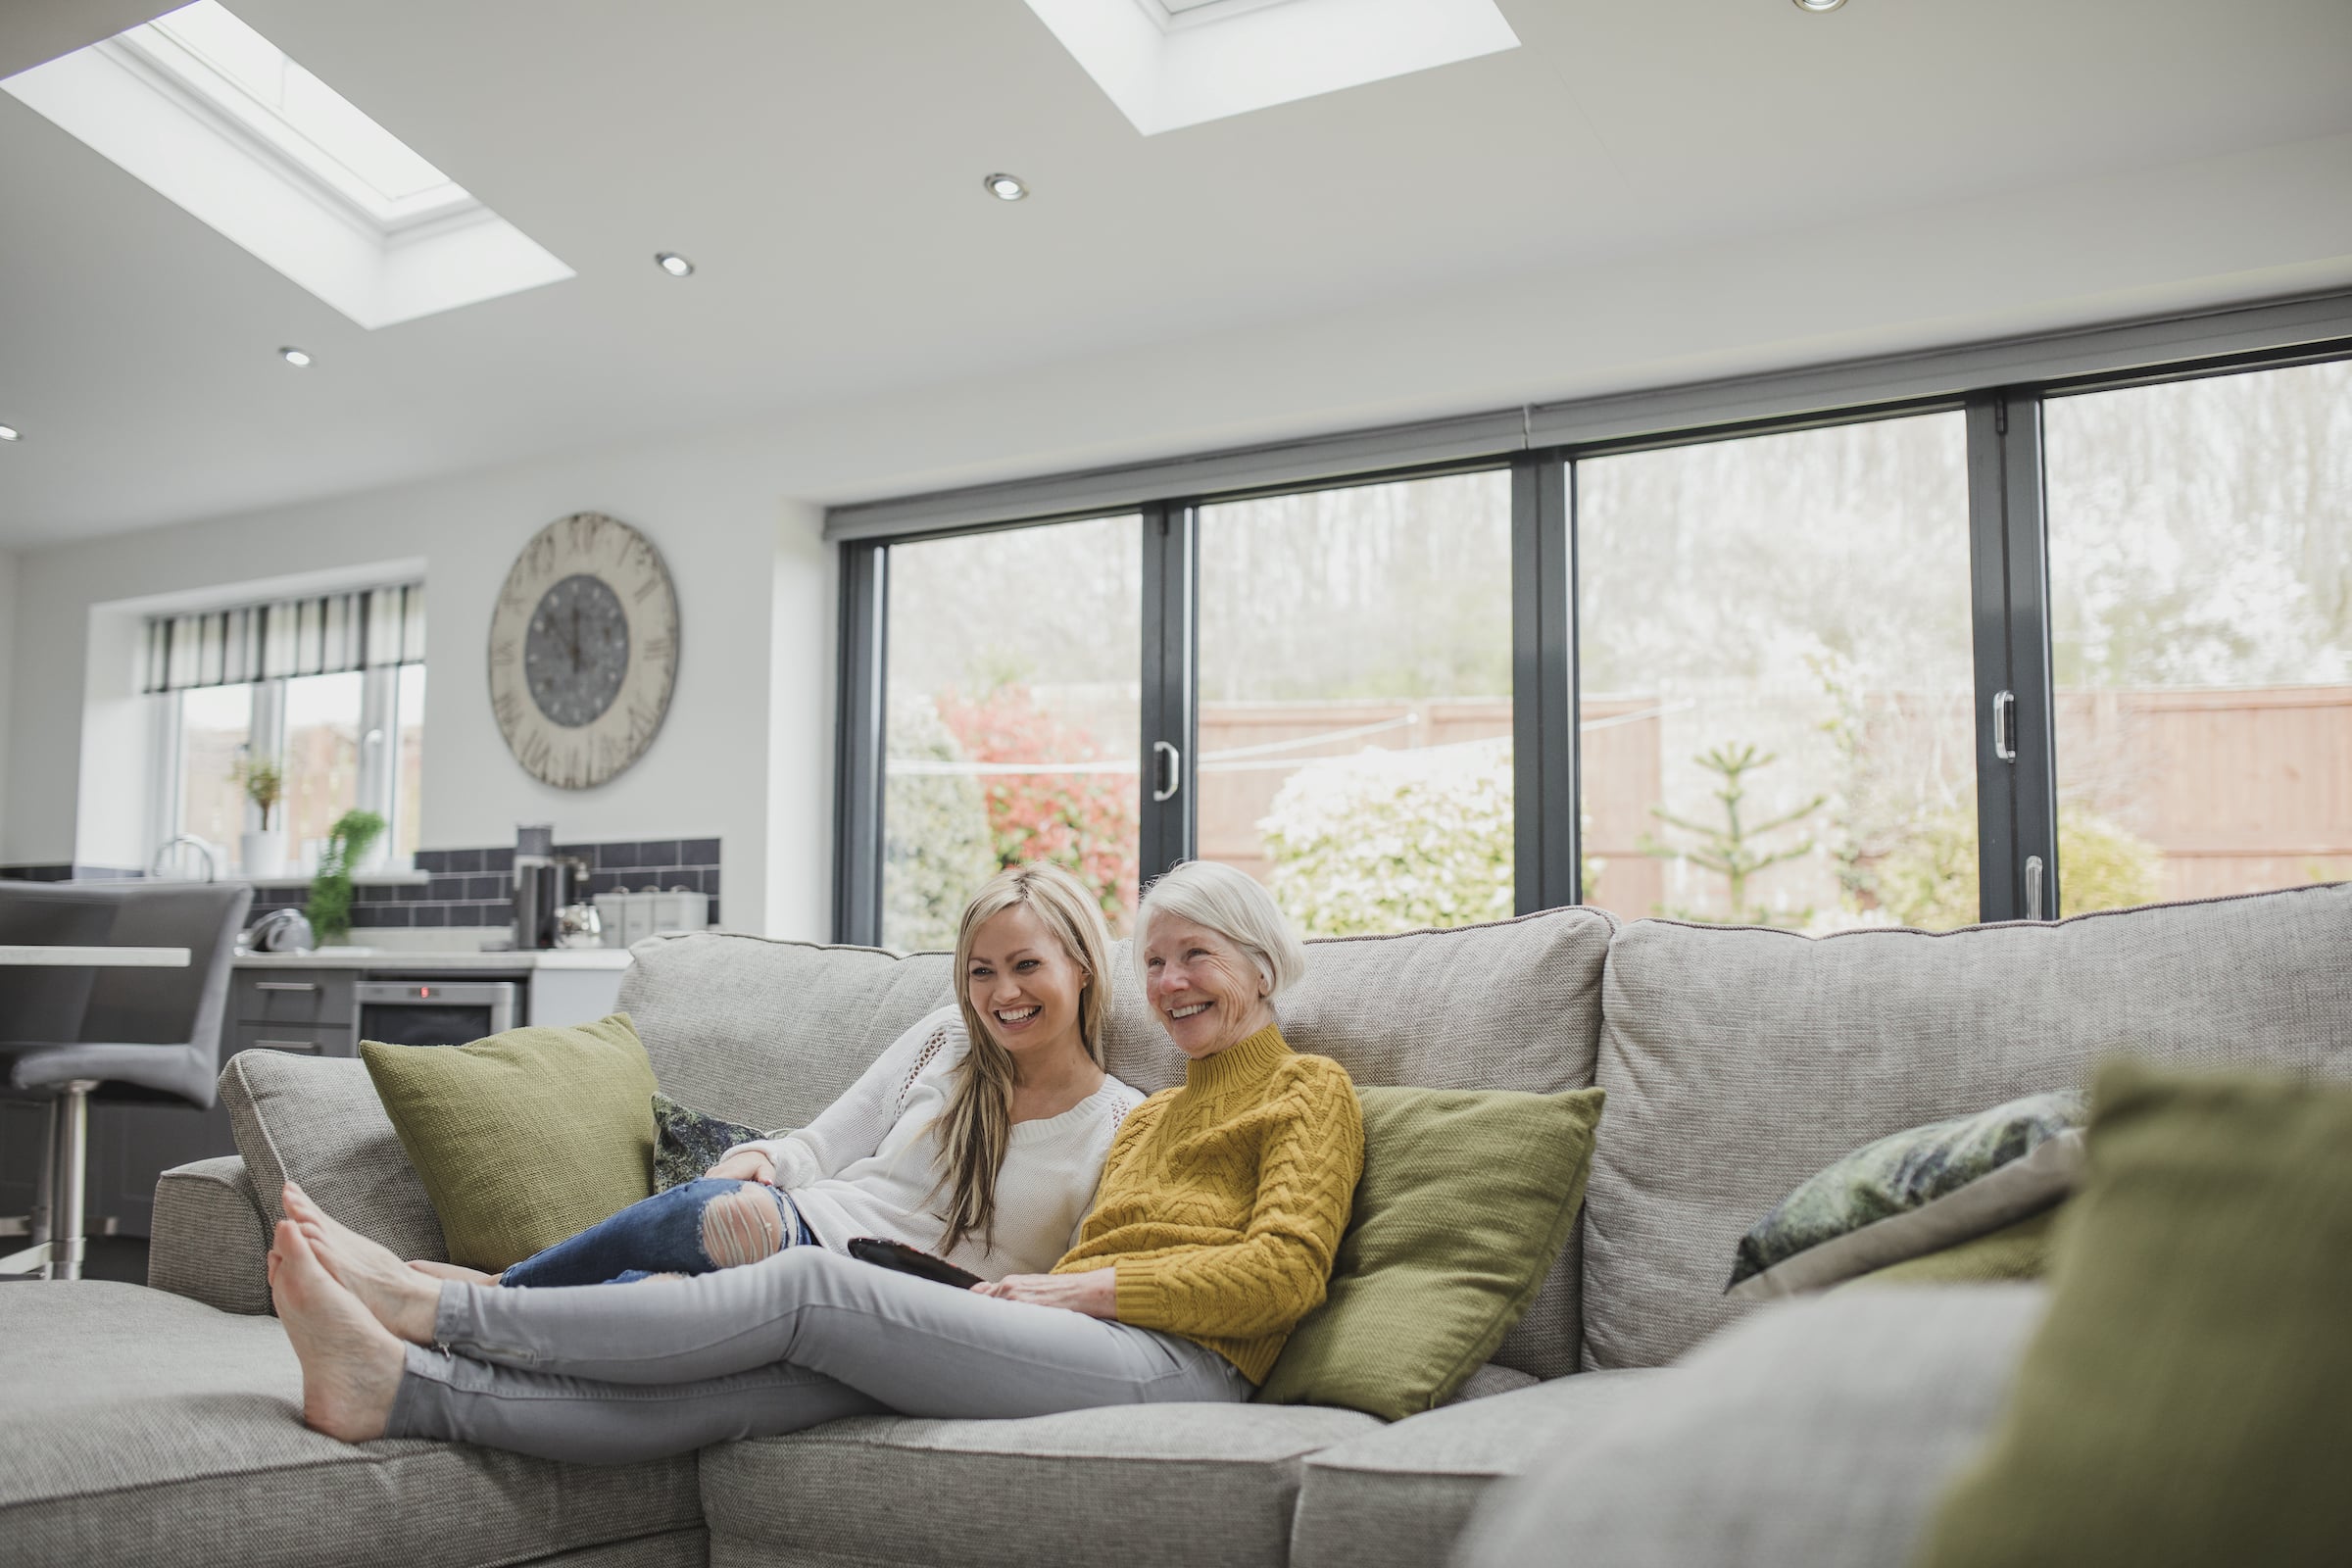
473, 888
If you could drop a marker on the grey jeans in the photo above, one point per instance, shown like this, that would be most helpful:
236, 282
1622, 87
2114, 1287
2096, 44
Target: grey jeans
608, 1374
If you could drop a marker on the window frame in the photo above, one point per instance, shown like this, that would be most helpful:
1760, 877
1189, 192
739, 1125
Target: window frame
1998, 388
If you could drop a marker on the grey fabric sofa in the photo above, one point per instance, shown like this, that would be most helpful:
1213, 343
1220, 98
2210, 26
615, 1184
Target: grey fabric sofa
162, 1423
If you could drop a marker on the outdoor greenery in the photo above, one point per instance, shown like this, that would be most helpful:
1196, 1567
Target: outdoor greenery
936, 849
1086, 822
1386, 840
1930, 879
347, 844
1731, 848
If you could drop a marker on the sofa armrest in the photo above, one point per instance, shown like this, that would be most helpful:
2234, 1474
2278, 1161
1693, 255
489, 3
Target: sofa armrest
211, 1240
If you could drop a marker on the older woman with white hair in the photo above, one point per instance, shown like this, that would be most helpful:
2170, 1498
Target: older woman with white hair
1213, 1232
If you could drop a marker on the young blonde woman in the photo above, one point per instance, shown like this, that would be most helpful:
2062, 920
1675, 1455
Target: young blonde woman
1220, 1211
978, 1134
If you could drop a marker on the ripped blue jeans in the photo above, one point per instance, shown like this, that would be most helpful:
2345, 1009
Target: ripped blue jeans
694, 1228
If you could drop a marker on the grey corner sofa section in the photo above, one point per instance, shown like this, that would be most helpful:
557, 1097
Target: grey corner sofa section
1737, 1061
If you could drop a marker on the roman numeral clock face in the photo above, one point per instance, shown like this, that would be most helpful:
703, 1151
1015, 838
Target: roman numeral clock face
584, 650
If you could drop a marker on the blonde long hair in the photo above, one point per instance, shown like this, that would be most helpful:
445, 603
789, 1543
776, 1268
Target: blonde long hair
979, 1113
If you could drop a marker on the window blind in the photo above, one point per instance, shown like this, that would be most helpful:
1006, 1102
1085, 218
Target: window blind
323, 635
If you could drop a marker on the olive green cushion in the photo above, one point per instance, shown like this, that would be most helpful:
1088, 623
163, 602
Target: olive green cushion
524, 1138
2019, 1251
2185, 1400
1466, 1198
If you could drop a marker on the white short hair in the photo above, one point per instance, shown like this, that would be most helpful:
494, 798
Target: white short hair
1234, 906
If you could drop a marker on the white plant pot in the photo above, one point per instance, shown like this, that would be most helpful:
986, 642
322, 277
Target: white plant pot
263, 854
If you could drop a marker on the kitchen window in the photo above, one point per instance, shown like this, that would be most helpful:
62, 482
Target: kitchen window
330, 689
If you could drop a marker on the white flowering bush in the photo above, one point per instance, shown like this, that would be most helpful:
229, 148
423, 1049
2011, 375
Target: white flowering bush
1387, 841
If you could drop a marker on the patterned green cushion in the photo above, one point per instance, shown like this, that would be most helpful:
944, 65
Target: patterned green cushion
1913, 1193
1466, 1198
2184, 1400
688, 1141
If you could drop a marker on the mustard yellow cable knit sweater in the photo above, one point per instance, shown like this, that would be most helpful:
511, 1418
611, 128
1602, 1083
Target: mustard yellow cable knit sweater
1222, 1202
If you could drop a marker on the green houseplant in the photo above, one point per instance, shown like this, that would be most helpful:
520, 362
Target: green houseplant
263, 853
347, 844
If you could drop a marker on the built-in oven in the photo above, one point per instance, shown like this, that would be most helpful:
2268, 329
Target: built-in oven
432, 1012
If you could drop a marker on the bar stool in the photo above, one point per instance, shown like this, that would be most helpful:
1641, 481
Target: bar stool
117, 1034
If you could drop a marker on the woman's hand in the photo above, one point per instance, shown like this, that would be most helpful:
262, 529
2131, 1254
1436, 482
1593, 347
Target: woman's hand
1094, 1293
745, 1165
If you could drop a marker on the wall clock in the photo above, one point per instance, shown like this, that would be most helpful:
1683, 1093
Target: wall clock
584, 650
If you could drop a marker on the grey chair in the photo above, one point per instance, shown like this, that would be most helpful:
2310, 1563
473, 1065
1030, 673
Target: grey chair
112, 1034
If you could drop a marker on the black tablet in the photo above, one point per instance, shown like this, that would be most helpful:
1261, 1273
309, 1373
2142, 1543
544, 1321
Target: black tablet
911, 1261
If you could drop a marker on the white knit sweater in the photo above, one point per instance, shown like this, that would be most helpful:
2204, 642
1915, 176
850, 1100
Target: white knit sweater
870, 1165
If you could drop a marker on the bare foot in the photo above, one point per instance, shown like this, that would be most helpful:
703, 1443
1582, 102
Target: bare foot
402, 1300
351, 1366
452, 1271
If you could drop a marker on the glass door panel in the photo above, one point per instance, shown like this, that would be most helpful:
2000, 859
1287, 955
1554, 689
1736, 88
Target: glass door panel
215, 730
1356, 701
1012, 701
1776, 669
2200, 540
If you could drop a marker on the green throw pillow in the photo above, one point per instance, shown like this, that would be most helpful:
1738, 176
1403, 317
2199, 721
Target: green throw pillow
2184, 1400
688, 1141
524, 1138
1466, 1198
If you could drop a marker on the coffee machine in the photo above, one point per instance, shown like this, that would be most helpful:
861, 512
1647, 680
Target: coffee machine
544, 884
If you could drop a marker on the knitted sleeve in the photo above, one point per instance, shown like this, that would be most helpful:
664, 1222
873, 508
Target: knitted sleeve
1277, 1272
854, 1125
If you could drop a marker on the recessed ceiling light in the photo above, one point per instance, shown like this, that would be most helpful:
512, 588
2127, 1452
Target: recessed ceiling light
673, 264
1819, 5
294, 357
1005, 187
9, 433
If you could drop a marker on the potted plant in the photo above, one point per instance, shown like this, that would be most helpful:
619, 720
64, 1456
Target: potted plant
347, 842
263, 853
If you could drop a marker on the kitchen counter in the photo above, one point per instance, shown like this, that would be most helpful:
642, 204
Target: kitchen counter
452, 960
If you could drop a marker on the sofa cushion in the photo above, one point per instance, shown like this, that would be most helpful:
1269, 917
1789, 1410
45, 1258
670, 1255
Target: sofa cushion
316, 1121
1820, 1431
1466, 1200
147, 1428
2185, 1400
1515, 1005
486, 1123
1139, 1484
1400, 1496
1739, 1061
769, 1032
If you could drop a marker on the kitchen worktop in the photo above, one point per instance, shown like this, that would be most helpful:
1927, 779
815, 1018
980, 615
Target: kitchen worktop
424, 960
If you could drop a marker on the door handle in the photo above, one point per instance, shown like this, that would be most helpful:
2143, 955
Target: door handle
2033, 887
1164, 754
2004, 725
285, 984
288, 1045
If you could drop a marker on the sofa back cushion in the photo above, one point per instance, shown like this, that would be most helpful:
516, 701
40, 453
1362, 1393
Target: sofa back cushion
770, 1033
1740, 1062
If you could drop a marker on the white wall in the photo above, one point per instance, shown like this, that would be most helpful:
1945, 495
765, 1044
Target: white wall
745, 754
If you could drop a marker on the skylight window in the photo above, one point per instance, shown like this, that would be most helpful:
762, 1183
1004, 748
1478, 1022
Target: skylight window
1173, 62
213, 115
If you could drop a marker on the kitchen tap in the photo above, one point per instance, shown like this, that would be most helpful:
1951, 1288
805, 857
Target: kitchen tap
212, 856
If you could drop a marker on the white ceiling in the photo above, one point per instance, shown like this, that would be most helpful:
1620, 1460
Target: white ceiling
821, 164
